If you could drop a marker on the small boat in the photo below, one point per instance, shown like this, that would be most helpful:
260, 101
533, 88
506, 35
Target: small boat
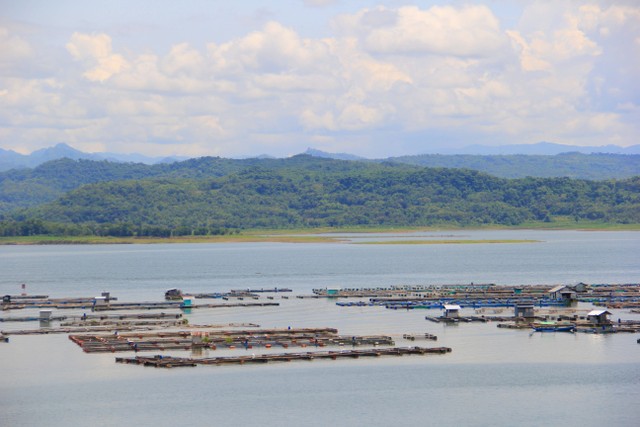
553, 327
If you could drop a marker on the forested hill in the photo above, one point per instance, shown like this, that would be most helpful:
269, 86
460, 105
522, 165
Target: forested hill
311, 192
30, 187
45, 183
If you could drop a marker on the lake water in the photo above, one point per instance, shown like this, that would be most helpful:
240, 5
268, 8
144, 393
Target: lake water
493, 377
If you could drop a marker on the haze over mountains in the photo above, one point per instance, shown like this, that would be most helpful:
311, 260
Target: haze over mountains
12, 160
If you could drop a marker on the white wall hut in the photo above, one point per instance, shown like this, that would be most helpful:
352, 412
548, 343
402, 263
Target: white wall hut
451, 311
599, 317
100, 302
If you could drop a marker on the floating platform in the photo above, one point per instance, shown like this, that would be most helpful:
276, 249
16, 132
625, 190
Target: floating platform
95, 317
180, 305
173, 362
190, 340
469, 319
261, 290
487, 295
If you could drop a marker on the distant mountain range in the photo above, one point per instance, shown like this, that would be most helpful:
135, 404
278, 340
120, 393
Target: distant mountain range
12, 160
538, 149
338, 156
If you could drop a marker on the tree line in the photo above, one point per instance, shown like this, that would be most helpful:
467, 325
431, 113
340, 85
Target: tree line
37, 227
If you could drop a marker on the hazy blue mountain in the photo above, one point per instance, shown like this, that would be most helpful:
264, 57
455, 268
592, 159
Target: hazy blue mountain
338, 156
541, 148
538, 149
11, 160
595, 166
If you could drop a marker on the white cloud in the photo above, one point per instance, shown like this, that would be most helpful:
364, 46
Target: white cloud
565, 72
14, 49
274, 49
443, 30
183, 59
95, 51
319, 3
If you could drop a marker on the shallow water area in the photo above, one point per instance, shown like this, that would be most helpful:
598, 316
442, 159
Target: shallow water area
492, 377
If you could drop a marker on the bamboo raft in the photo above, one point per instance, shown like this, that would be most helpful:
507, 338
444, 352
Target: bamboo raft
173, 362
189, 340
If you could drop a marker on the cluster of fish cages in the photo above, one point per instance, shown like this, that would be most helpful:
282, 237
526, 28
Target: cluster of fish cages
509, 302
179, 305
355, 304
470, 292
17, 302
178, 294
93, 319
189, 340
160, 361
407, 304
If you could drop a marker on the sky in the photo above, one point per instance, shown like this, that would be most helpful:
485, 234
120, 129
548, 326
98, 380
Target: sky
372, 78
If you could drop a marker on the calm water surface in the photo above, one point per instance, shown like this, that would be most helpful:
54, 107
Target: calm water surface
493, 377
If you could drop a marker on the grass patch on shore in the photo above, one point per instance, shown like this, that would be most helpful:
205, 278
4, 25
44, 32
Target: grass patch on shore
326, 235
93, 240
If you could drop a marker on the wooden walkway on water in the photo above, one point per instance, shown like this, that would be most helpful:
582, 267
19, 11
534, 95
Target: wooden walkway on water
160, 361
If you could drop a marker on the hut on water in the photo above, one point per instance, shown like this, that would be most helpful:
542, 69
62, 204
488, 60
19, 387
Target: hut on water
525, 310
563, 293
600, 321
599, 317
451, 311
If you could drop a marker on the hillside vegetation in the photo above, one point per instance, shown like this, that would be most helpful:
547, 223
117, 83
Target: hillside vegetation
213, 196
30, 187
